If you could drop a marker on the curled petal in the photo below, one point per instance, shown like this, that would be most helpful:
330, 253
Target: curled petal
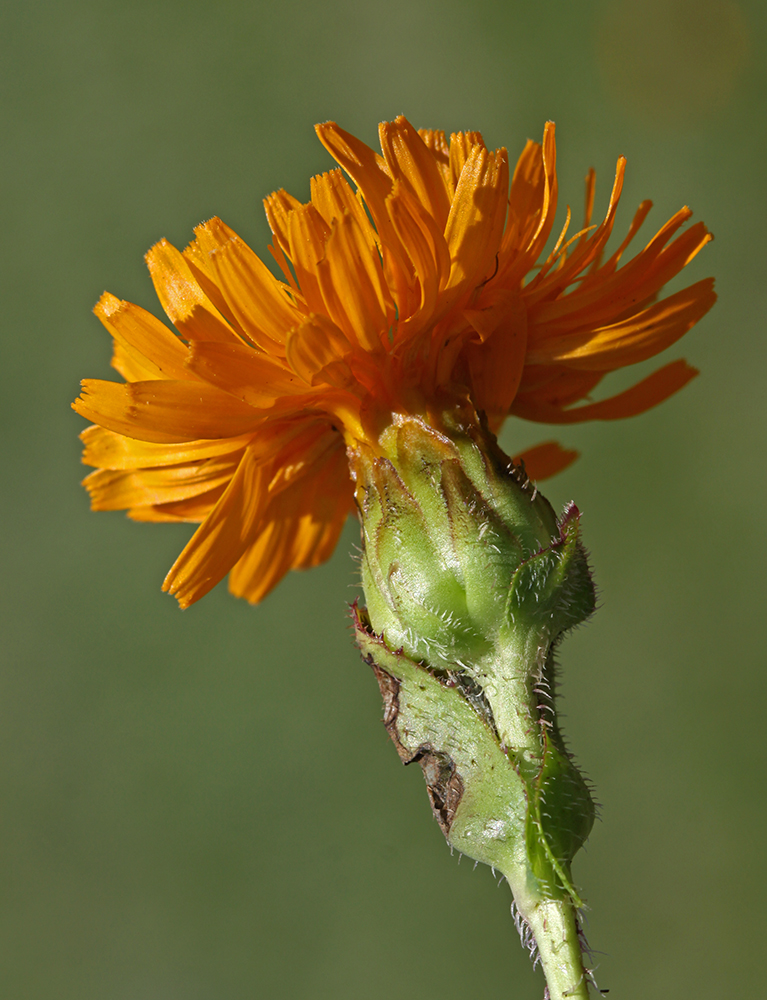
633, 340
641, 397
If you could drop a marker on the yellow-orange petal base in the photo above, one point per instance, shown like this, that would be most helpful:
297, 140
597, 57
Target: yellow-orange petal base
418, 283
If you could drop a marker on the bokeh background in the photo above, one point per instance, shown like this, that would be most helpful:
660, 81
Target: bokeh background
205, 806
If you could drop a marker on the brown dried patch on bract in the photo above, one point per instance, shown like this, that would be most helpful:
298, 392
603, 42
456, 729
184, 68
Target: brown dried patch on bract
389, 687
444, 785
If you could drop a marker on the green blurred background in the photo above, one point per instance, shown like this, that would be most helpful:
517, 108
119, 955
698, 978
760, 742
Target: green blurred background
205, 806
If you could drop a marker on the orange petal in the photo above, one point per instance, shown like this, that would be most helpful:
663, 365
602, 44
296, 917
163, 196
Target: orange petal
143, 339
300, 529
633, 340
591, 185
427, 250
545, 460
534, 191
550, 280
639, 216
307, 234
254, 297
496, 365
107, 450
332, 196
266, 561
165, 412
223, 536
303, 447
462, 145
477, 215
532, 208
238, 518
204, 273
353, 287
278, 207
316, 351
436, 142
191, 511
130, 365
409, 160
186, 304
365, 168
252, 377
111, 489
641, 397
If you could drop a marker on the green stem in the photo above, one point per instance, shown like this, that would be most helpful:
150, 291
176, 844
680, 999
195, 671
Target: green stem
489, 802
553, 925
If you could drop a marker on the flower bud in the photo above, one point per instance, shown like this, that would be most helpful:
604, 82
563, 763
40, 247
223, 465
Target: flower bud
461, 552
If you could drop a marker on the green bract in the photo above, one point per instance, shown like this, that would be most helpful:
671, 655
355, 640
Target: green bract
465, 566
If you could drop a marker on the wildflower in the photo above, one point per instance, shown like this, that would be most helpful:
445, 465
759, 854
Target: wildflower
419, 288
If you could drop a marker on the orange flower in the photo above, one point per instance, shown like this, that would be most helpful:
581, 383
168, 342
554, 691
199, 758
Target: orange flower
398, 297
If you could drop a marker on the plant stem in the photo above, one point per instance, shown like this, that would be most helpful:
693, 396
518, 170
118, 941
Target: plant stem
554, 927
486, 806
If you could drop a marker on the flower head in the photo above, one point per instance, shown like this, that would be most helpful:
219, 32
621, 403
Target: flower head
422, 288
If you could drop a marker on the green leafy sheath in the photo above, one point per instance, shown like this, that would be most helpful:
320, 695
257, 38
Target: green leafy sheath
470, 582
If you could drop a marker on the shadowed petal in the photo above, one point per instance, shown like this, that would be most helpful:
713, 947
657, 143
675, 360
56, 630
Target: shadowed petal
299, 529
111, 489
252, 377
223, 536
545, 460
